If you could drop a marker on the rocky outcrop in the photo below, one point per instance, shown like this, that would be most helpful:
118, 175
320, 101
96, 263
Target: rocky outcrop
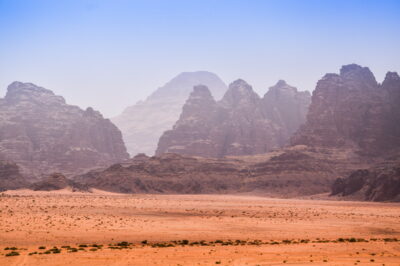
288, 172
241, 123
57, 181
351, 109
380, 183
143, 123
43, 134
10, 177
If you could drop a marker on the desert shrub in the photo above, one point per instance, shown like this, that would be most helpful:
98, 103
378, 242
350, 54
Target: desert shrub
82, 246
12, 253
123, 244
144, 242
42, 247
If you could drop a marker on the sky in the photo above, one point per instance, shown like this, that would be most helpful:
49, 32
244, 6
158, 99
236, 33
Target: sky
111, 54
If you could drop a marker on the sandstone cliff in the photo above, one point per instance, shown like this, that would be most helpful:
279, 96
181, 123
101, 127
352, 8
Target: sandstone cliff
241, 123
143, 123
351, 109
43, 134
10, 177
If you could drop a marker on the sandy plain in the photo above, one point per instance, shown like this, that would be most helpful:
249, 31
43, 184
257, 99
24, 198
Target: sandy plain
113, 229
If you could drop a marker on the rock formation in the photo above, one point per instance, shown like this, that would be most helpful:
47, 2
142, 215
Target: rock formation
10, 177
381, 183
351, 109
286, 107
143, 123
292, 171
241, 123
43, 134
57, 181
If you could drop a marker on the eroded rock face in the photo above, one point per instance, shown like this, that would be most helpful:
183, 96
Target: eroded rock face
286, 107
241, 123
351, 109
143, 123
10, 177
381, 183
43, 134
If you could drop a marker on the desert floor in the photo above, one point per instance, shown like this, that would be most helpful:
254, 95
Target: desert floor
108, 229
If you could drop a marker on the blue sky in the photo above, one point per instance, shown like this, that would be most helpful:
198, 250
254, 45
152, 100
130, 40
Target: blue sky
110, 54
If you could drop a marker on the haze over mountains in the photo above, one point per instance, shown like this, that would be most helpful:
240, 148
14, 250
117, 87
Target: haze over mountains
346, 141
351, 121
241, 123
143, 123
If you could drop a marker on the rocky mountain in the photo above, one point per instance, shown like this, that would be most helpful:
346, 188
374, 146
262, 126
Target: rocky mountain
41, 133
10, 177
349, 144
286, 107
351, 109
143, 123
241, 123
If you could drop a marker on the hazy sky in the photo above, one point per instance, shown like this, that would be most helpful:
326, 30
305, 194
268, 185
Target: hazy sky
110, 54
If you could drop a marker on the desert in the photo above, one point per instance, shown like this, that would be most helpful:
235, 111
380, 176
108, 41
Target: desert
237, 133
103, 228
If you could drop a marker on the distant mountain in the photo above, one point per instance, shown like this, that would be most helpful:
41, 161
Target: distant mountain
351, 109
241, 123
143, 123
42, 134
349, 144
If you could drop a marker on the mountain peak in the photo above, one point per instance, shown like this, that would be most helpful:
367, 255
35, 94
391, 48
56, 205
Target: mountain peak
392, 76
281, 83
182, 84
354, 72
20, 91
239, 92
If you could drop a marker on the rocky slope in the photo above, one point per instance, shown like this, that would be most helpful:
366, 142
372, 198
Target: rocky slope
241, 123
143, 123
43, 134
288, 172
10, 177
